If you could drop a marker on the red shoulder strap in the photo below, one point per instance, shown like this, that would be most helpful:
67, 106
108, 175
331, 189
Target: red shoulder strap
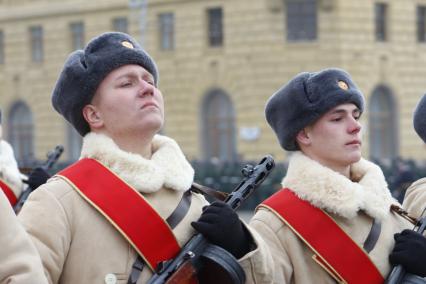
334, 249
8, 192
125, 209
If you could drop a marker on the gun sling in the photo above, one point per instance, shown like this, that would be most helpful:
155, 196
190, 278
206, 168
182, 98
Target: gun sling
373, 236
119, 204
8, 192
325, 238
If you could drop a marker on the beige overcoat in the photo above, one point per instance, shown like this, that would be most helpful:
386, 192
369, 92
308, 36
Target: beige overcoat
77, 244
415, 198
353, 204
20, 262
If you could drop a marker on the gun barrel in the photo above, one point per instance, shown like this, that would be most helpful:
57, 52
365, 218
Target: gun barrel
53, 157
51, 160
256, 176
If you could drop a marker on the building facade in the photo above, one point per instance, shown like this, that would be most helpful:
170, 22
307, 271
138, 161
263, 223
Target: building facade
219, 61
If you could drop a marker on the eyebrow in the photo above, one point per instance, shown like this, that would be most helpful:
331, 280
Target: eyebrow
343, 111
126, 75
132, 74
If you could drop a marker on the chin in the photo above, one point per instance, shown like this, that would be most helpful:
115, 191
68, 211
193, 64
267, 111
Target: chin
153, 124
354, 157
153, 127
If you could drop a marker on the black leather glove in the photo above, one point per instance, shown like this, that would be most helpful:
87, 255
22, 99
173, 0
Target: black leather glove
410, 252
221, 226
37, 177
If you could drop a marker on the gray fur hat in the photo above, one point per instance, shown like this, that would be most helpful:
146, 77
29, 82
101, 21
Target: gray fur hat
419, 118
85, 69
305, 98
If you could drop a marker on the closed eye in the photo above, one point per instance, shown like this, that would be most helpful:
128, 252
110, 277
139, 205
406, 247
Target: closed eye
357, 115
126, 84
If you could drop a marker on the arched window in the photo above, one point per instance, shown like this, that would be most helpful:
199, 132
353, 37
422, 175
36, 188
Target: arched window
21, 132
74, 141
383, 127
218, 118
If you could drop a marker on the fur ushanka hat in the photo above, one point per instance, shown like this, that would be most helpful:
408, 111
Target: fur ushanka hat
85, 69
305, 98
419, 118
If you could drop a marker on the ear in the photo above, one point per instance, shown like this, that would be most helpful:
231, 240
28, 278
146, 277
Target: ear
303, 138
92, 116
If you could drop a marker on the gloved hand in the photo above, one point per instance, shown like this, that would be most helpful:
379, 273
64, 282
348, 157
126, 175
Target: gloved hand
410, 252
221, 226
37, 177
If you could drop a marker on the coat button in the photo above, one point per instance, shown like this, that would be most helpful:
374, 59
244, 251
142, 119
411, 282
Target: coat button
110, 278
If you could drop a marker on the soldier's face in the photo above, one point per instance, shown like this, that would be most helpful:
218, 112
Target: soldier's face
334, 140
128, 102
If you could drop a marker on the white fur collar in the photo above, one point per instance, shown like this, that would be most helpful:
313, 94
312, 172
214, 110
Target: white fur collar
167, 167
333, 192
9, 171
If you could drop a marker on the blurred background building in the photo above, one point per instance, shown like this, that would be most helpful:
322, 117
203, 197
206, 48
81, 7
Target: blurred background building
219, 61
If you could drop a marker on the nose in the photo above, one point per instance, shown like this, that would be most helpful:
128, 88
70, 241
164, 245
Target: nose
354, 126
146, 89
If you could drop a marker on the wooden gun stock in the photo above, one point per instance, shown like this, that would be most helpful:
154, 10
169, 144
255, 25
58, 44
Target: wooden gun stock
185, 274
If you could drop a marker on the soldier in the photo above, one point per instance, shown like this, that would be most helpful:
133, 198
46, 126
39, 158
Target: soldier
92, 220
410, 246
11, 180
332, 220
19, 260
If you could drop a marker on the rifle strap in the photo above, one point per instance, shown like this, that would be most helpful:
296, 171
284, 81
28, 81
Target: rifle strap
198, 188
119, 203
8, 192
373, 236
180, 211
325, 238
173, 220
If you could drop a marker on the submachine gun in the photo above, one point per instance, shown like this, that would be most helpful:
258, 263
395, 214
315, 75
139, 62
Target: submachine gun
52, 157
398, 274
198, 253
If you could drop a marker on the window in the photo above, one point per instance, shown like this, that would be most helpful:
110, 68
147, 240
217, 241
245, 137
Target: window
2, 59
383, 126
120, 25
421, 23
36, 35
219, 126
381, 21
301, 20
77, 35
215, 27
21, 132
167, 33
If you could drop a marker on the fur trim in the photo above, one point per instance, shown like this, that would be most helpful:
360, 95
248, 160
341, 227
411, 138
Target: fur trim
329, 190
167, 167
9, 171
